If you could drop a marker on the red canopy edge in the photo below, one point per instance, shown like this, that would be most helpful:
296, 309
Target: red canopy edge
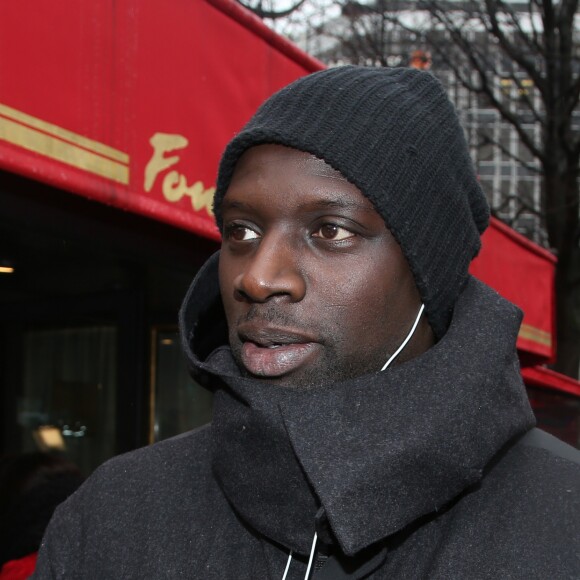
76, 181
523, 241
523, 273
248, 19
545, 378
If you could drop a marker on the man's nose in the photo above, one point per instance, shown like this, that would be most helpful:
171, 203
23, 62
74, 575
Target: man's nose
272, 271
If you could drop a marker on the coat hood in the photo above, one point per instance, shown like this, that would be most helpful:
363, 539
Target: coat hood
371, 454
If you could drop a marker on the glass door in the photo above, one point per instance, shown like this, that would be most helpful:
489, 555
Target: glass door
178, 404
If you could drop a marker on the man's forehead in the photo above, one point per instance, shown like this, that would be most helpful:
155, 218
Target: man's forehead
317, 166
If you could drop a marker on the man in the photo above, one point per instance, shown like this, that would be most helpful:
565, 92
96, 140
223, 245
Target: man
350, 212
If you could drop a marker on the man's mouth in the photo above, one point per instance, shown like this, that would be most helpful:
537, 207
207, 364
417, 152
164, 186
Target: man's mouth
274, 352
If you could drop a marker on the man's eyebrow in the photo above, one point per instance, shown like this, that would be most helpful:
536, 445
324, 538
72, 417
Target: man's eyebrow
336, 204
234, 204
317, 205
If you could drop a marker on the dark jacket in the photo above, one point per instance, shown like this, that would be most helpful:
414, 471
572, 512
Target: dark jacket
428, 470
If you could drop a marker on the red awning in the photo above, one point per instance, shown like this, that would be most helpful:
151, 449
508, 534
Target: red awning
548, 379
133, 105
523, 273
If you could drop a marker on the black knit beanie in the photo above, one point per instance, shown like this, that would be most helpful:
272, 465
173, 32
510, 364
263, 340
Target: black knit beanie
394, 134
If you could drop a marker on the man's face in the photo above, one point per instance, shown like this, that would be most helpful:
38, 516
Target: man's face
315, 288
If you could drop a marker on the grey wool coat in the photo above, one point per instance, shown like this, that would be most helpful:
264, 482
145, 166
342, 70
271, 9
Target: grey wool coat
430, 470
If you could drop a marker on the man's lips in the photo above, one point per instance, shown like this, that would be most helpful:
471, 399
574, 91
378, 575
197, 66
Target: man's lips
273, 352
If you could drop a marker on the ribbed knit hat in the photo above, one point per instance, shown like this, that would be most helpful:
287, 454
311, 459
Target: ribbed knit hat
395, 135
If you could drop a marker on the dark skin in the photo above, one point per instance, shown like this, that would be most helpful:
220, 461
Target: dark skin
315, 287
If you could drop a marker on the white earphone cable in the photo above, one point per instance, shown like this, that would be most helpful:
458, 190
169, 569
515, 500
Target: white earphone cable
404, 343
287, 565
309, 561
311, 556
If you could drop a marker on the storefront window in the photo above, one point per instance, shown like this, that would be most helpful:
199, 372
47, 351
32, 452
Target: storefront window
69, 392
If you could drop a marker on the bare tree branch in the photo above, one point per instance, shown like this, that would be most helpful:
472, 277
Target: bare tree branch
261, 12
488, 139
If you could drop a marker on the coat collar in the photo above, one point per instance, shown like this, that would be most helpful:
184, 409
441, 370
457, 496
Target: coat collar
376, 452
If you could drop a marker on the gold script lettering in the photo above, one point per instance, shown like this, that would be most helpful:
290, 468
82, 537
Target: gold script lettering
162, 143
174, 185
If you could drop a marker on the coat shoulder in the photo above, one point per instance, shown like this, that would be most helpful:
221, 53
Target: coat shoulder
139, 514
536, 438
169, 462
162, 478
523, 520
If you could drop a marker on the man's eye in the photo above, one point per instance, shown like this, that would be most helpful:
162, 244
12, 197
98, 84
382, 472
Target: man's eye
240, 233
332, 232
